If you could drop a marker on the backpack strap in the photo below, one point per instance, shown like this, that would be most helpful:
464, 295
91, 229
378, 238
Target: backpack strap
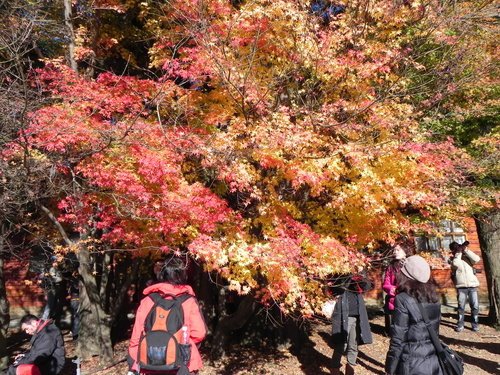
158, 297
432, 334
183, 370
183, 297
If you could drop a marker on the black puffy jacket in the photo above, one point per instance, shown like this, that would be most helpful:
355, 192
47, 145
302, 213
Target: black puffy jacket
411, 351
47, 349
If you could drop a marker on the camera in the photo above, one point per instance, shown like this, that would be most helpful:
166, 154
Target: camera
455, 247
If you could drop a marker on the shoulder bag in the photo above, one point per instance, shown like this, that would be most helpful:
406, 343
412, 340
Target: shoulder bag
451, 363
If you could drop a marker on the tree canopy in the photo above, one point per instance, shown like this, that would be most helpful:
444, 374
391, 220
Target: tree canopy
271, 140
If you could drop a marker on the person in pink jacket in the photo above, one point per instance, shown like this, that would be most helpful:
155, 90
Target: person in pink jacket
173, 280
400, 253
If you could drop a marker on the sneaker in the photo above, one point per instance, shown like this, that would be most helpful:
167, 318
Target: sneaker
475, 329
459, 329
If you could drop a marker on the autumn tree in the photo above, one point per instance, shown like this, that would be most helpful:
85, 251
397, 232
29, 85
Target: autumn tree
34, 32
456, 87
275, 143
23, 181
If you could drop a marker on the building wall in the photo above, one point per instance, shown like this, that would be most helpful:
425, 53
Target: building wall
23, 290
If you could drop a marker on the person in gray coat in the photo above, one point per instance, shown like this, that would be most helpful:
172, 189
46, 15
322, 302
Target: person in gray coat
350, 326
411, 351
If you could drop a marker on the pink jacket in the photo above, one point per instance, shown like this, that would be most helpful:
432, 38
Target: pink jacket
192, 318
389, 286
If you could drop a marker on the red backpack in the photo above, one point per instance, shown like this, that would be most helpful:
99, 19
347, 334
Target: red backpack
164, 343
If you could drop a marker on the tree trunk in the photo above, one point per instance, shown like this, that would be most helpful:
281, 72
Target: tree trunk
68, 20
4, 312
232, 322
488, 226
206, 293
95, 327
94, 336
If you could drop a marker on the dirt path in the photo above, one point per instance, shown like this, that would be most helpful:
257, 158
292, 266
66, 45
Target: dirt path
480, 351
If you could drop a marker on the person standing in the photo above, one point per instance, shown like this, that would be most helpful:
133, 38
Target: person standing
411, 351
46, 355
74, 303
173, 279
350, 326
157, 268
466, 283
53, 285
389, 285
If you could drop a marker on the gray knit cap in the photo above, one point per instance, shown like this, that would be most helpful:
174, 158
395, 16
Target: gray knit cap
417, 268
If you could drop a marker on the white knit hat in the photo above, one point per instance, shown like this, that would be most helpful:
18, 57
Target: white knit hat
417, 268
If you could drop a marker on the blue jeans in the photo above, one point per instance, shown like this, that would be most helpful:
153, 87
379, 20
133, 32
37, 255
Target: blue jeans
463, 295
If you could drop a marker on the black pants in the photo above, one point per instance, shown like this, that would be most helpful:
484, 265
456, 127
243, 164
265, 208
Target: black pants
388, 322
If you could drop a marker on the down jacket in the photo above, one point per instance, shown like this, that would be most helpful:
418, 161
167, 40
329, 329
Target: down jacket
47, 349
192, 318
411, 351
461, 264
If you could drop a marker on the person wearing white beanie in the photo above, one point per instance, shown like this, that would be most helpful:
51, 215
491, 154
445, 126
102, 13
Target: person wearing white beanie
411, 351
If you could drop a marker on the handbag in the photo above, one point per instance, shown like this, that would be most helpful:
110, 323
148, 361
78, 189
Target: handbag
451, 363
328, 307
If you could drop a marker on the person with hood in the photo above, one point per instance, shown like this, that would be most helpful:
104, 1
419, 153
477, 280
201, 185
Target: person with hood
173, 279
350, 326
46, 355
411, 350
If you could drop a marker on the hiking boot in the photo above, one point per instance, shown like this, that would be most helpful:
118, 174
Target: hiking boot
459, 329
475, 329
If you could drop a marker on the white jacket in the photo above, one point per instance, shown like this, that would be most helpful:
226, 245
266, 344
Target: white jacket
464, 273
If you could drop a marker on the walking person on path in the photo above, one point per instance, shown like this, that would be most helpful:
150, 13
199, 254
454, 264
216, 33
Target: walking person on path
350, 326
411, 351
173, 279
